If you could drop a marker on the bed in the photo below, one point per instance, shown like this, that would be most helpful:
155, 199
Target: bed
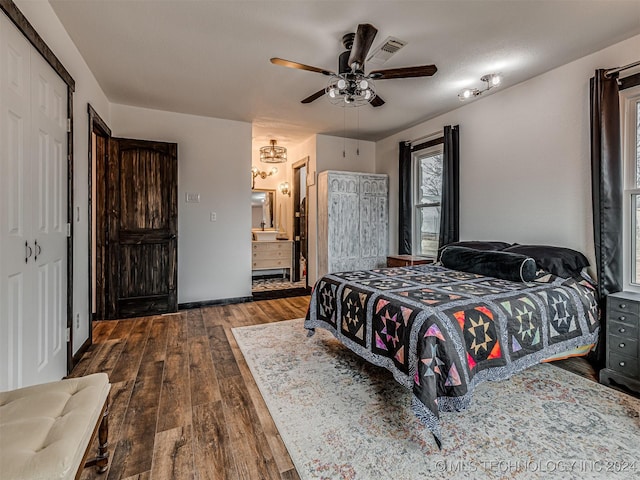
442, 331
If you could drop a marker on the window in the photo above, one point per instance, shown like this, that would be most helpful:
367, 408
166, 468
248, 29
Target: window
427, 192
631, 152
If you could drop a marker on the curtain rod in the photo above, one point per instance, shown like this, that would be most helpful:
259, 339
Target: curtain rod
619, 69
424, 137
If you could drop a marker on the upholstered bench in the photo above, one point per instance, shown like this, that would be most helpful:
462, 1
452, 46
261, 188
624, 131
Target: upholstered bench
46, 430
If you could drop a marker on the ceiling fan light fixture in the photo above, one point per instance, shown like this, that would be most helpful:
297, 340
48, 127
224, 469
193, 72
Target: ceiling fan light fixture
273, 153
350, 89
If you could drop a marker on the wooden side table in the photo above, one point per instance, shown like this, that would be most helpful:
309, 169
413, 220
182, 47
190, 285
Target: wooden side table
406, 260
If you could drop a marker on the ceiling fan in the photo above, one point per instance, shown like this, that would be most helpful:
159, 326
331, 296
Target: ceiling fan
351, 86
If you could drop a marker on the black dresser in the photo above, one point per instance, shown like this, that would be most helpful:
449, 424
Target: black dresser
622, 341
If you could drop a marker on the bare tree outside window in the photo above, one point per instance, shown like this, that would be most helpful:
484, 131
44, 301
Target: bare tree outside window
427, 203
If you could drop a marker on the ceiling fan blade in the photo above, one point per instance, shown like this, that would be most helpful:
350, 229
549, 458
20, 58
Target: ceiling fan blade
300, 66
404, 72
313, 97
377, 101
362, 43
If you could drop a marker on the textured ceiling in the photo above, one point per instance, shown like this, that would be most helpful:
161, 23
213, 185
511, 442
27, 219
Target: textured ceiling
212, 57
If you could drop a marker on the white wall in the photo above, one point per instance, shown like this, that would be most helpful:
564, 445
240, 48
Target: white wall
46, 23
359, 155
214, 160
524, 157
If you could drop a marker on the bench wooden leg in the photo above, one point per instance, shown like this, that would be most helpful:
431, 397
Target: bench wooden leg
101, 461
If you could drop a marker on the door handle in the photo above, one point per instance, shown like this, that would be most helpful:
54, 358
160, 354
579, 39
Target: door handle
28, 251
38, 250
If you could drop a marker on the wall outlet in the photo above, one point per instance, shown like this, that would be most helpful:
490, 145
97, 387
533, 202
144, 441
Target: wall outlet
77, 321
213, 216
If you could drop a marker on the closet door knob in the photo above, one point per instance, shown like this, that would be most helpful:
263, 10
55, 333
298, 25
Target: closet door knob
28, 251
621, 345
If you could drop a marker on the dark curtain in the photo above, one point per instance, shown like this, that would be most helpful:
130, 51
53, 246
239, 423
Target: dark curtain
404, 197
450, 203
606, 189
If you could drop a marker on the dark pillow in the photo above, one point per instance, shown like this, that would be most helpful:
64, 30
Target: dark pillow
477, 245
498, 264
480, 245
560, 261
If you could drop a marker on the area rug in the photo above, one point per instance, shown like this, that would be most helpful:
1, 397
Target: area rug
342, 418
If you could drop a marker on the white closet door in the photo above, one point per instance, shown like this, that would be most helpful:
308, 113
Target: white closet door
15, 129
49, 200
33, 149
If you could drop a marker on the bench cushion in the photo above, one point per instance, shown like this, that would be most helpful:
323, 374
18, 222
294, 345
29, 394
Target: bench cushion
45, 429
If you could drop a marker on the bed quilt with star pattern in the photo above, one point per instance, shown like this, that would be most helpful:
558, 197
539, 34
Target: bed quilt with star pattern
442, 332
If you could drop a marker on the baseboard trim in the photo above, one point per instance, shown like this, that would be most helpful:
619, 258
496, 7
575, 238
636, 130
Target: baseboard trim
76, 356
208, 303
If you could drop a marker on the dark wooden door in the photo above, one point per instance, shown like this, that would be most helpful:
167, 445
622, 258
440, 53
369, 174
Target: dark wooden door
142, 228
299, 220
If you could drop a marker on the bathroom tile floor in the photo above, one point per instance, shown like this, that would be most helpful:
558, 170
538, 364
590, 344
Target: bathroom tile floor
266, 284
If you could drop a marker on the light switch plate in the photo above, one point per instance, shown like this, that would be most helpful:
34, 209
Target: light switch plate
192, 197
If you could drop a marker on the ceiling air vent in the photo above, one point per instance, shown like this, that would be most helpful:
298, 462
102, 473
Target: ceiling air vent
385, 50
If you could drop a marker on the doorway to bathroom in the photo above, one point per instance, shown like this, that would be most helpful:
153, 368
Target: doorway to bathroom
293, 281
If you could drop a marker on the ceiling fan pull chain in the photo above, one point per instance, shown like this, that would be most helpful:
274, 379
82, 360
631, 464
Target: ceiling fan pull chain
344, 133
357, 133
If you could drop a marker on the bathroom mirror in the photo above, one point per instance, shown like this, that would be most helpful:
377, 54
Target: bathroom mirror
263, 208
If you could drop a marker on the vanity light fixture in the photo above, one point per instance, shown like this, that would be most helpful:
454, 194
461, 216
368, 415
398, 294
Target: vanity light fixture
273, 153
491, 79
256, 172
284, 188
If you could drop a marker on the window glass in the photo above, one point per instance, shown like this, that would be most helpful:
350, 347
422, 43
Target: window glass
635, 253
429, 227
638, 144
430, 178
636, 239
632, 190
427, 196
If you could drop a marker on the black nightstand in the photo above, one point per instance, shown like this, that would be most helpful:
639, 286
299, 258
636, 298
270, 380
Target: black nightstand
622, 341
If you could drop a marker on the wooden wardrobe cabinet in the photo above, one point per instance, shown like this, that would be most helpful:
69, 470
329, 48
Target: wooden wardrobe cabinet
353, 221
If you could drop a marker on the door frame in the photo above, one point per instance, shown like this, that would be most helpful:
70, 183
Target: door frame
295, 167
98, 126
20, 21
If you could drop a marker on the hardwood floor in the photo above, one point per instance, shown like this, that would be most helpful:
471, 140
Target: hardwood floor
184, 404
